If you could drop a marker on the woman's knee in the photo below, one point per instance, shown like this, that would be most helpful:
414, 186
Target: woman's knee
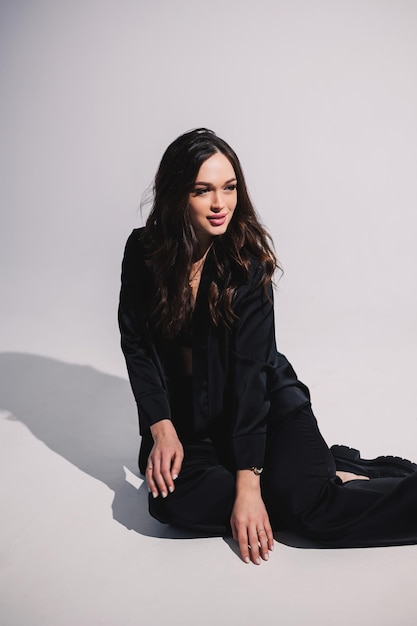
203, 500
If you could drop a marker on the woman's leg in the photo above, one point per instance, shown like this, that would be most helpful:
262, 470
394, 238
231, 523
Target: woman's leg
204, 493
297, 465
302, 491
204, 490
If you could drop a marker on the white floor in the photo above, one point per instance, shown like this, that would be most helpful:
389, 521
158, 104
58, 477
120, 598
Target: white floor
78, 546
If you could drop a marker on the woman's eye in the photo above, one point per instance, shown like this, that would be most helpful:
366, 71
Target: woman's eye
231, 187
200, 191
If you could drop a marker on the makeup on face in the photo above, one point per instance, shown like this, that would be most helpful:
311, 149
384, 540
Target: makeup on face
213, 198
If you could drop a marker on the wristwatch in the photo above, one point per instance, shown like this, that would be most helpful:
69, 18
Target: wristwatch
256, 470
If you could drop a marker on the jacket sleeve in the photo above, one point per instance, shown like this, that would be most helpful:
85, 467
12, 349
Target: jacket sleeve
254, 358
143, 365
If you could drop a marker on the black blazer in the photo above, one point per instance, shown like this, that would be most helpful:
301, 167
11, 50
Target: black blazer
239, 378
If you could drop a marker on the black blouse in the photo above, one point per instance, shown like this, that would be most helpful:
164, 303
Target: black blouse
238, 375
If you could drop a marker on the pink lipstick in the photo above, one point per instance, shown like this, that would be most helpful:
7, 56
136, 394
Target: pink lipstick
217, 220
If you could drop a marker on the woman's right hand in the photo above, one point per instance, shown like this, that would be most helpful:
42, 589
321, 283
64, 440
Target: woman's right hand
165, 459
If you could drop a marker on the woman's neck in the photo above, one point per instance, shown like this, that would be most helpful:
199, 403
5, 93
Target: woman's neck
197, 270
205, 243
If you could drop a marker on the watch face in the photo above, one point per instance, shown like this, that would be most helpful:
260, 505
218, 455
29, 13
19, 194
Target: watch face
257, 470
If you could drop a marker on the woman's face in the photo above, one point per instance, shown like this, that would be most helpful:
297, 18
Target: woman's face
213, 198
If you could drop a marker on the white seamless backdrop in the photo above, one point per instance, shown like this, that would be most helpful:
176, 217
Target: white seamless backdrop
319, 100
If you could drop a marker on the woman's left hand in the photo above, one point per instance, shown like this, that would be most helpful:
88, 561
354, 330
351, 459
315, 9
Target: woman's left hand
249, 520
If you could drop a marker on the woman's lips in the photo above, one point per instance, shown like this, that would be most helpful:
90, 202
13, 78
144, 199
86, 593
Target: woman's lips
217, 220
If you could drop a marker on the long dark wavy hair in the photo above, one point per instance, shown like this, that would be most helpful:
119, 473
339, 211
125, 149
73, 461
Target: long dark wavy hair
172, 245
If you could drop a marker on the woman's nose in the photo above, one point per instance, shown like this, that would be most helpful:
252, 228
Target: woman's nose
217, 201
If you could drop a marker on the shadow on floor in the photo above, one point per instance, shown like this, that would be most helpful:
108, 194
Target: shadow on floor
89, 418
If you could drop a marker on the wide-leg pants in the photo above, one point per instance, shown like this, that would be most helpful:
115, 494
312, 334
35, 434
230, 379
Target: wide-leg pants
300, 489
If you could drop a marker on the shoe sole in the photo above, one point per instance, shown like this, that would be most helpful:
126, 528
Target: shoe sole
349, 460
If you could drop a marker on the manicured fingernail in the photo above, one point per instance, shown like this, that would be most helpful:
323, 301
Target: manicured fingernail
174, 476
258, 561
170, 489
246, 559
155, 494
266, 556
271, 547
164, 494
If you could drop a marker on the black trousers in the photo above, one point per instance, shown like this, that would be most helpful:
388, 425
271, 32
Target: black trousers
300, 489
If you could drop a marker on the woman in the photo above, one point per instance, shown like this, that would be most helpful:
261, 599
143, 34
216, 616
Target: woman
229, 441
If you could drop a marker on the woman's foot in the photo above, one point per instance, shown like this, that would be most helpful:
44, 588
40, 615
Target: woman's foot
349, 460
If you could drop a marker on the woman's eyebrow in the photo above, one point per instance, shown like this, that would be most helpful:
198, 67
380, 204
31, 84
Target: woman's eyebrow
199, 182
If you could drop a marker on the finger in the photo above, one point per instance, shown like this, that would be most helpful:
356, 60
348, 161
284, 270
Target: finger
254, 545
176, 466
150, 481
263, 543
159, 480
160, 484
269, 535
167, 477
242, 538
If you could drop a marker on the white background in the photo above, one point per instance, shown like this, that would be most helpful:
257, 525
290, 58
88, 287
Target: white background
318, 98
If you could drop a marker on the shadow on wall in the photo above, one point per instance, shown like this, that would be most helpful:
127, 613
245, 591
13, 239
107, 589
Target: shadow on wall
88, 418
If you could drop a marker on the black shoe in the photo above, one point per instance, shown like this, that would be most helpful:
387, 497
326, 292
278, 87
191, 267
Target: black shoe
349, 460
